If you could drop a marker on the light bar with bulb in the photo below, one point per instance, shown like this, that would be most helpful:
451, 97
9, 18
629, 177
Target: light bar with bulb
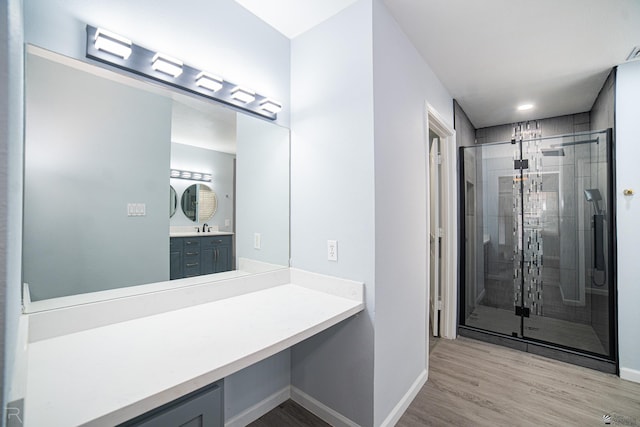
194, 176
117, 51
271, 106
112, 43
209, 81
243, 95
166, 64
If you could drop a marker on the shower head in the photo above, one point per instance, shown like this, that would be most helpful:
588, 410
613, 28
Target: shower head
554, 152
592, 195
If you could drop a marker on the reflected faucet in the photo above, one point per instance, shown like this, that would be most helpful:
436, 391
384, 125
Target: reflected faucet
204, 227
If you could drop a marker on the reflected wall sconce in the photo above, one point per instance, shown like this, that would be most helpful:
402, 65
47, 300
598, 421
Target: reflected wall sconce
118, 51
194, 176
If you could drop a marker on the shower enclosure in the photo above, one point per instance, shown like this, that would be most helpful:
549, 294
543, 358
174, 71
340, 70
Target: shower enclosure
537, 251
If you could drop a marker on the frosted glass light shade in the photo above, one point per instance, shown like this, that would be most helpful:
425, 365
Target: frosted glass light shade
243, 95
166, 64
112, 43
209, 81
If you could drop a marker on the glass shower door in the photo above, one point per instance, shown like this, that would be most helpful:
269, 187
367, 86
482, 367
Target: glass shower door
537, 246
487, 185
565, 270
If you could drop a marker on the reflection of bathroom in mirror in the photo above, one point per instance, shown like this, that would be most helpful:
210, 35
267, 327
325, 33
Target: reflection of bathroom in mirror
173, 201
98, 142
199, 202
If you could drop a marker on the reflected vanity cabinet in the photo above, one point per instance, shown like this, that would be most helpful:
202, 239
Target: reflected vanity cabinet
197, 255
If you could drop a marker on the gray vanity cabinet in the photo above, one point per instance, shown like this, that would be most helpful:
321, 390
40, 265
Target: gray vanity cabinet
175, 258
202, 408
216, 254
198, 255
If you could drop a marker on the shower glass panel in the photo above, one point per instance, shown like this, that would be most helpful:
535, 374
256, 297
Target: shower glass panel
537, 241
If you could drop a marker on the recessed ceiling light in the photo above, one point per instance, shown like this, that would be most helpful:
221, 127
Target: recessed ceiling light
525, 107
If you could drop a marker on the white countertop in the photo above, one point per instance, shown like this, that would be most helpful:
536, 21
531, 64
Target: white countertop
109, 374
199, 233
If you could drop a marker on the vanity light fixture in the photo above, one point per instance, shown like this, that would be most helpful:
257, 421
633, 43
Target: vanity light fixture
112, 43
271, 106
195, 176
243, 95
209, 81
117, 51
166, 64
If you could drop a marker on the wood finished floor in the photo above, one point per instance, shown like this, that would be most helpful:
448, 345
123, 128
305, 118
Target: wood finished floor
472, 383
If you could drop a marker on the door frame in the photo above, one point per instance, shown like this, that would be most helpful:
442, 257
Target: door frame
448, 221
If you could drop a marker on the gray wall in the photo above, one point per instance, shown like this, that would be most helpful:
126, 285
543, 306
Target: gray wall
551, 126
81, 171
262, 190
11, 134
602, 113
220, 166
465, 131
332, 197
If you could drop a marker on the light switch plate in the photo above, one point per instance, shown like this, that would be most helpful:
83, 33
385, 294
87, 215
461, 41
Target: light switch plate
227, 222
256, 240
332, 250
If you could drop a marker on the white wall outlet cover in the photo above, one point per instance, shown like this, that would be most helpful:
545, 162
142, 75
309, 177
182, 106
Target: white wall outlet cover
332, 250
257, 240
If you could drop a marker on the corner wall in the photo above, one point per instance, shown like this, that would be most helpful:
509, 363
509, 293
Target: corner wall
332, 198
628, 211
403, 83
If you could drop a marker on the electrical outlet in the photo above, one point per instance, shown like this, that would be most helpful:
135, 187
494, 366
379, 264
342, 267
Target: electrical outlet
332, 250
256, 241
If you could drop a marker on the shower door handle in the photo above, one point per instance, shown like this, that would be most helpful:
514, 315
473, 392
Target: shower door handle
598, 242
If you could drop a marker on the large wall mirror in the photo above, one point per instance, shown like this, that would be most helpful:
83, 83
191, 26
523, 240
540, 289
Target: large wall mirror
99, 141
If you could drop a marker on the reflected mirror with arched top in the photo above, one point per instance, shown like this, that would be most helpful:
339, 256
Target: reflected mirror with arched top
199, 202
173, 201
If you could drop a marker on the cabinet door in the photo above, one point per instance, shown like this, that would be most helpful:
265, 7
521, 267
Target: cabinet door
223, 258
203, 408
208, 260
175, 258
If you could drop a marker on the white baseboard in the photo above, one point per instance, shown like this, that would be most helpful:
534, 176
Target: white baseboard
320, 409
630, 375
406, 400
259, 409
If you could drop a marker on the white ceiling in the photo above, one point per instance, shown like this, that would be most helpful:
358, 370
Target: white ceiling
294, 17
493, 55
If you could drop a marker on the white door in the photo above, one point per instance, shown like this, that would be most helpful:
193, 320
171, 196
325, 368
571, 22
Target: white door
434, 233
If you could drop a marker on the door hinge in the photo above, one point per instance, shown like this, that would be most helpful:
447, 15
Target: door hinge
439, 159
440, 232
439, 305
521, 164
